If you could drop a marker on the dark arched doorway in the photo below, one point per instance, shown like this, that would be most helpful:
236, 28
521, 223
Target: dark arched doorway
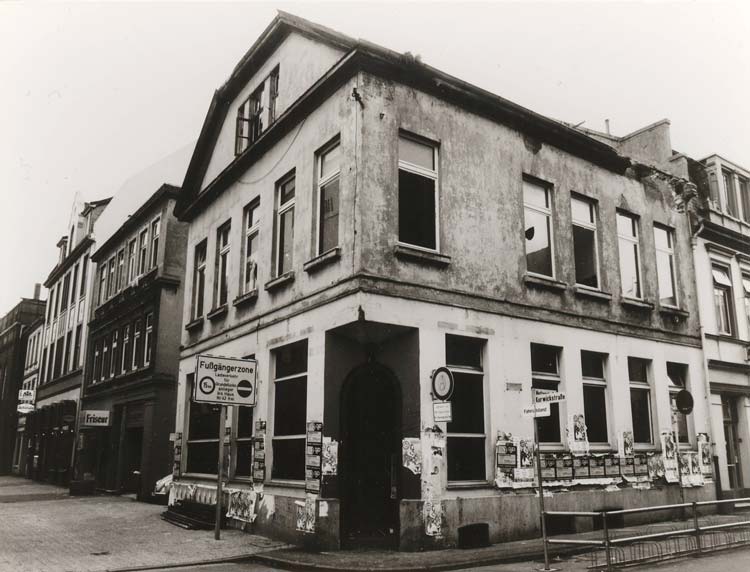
370, 457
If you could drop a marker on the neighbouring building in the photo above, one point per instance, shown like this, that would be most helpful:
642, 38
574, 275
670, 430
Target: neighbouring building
29, 384
128, 398
357, 220
15, 328
722, 264
50, 429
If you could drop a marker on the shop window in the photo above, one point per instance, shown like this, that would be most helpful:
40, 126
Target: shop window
329, 169
284, 243
466, 450
723, 300
199, 280
203, 434
595, 396
630, 256
545, 376
250, 252
244, 442
537, 206
155, 230
585, 242
665, 266
417, 193
677, 374
142, 250
221, 285
640, 400
290, 411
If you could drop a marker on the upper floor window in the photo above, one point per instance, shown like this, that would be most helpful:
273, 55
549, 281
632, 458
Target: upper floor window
745, 199
199, 280
273, 94
584, 241
221, 292
466, 433
111, 285
102, 283
66, 290
545, 376
120, 269
74, 285
142, 251
290, 411
723, 300
630, 256
131, 260
417, 193
640, 400
250, 254
155, 228
746, 289
329, 169
730, 194
665, 267
594, 396
537, 206
285, 200
249, 121
677, 374
84, 269
149, 339
127, 349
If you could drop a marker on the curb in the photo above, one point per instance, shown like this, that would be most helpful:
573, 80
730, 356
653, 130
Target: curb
193, 563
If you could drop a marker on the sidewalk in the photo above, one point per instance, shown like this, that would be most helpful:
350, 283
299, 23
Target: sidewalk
42, 528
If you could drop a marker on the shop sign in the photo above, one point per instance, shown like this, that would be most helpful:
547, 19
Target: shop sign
226, 381
442, 411
26, 395
25, 407
92, 418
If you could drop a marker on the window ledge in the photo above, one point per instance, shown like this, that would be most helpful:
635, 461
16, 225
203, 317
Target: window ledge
464, 485
545, 282
598, 295
318, 262
406, 252
279, 281
246, 298
287, 484
674, 312
218, 313
195, 324
637, 304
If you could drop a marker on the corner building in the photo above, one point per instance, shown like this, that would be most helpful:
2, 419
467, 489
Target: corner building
358, 219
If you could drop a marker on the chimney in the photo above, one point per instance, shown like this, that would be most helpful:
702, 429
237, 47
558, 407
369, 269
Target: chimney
37, 290
606, 125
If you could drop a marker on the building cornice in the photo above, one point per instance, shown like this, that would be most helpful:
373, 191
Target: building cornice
725, 240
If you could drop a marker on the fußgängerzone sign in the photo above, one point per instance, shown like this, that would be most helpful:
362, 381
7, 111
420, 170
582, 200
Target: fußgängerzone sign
226, 381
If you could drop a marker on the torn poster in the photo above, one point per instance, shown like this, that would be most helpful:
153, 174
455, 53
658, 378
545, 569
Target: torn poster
506, 457
310, 513
433, 518
578, 440
330, 456
241, 505
625, 443
525, 454
411, 454
704, 455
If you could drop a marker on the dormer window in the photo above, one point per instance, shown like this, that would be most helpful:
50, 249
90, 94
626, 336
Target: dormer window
260, 106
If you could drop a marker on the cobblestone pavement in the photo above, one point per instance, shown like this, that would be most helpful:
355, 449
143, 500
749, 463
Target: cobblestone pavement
95, 534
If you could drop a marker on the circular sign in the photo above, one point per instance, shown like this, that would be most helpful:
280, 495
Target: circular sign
207, 385
442, 383
684, 402
244, 388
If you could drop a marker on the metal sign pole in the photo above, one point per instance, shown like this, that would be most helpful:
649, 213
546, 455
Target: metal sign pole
539, 478
219, 471
678, 457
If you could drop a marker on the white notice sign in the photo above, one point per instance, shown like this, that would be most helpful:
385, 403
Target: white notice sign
442, 411
26, 395
538, 410
226, 381
93, 418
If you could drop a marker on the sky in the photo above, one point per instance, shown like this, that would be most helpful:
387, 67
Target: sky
93, 93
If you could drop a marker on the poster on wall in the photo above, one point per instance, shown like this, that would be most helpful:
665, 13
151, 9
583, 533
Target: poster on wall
564, 467
411, 454
433, 517
330, 456
259, 452
241, 505
625, 443
669, 457
506, 459
313, 456
578, 440
177, 455
705, 462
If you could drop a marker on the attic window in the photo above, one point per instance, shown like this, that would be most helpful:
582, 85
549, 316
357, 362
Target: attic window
260, 107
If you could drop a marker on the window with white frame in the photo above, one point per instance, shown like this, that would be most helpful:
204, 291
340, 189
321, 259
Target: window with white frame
285, 200
585, 248
290, 411
746, 297
665, 265
593, 366
418, 204
142, 250
155, 230
630, 255
250, 246
730, 194
102, 284
537, 207
115, 353
127, 350
120, 269
249, 120
97, 368
202, 434
149, 339
199, 279
131, 260
545, 376
745, 198
329, 169
221, 292
105, 358
640, 400
273, 94
677, 374
111, 282
73, 285
137, 345
467, 437
723, 306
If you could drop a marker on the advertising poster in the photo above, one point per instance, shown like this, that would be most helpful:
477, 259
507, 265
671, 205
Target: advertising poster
330, 456
411, 454
625, 443
259, 452
578, 440
705, 461
506, 459
241, 505
313, 456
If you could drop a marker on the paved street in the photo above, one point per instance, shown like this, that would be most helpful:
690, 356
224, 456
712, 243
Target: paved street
43, 529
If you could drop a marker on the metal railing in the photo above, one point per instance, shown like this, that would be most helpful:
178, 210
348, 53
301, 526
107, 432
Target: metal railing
646, 547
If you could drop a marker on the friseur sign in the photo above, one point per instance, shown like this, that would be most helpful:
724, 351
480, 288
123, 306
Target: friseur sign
92, 418
225, 381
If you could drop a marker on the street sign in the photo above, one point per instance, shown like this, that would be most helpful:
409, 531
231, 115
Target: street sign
95, 418
225, 381
442, 411
25, 407
537, 410
26, 395
548, 397
442, 383
684, 402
